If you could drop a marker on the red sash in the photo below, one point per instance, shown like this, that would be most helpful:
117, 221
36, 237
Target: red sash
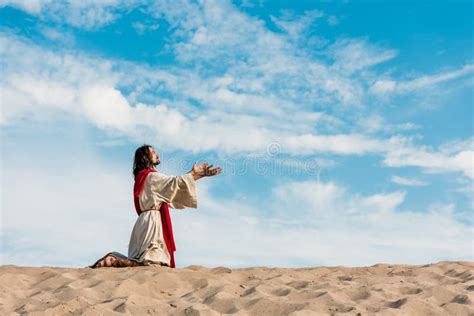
164, 212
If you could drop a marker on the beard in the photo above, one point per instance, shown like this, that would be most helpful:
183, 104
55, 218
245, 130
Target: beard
156, 163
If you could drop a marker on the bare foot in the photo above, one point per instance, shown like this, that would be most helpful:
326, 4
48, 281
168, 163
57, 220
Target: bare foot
106, 261
109, 260
122, 263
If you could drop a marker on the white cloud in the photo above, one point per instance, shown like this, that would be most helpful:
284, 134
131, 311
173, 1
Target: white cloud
30, 6
42, 84
425, 81
407, 181
321, 223
457, 145
296, 27
146, 26
376, 124
79, 85
62, 204
351, 55
218, 38
107, 108
56, 34
351, 144
431, 161
89, 15
386, 86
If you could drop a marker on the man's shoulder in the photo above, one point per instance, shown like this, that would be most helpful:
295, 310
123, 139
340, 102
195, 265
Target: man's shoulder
157, 174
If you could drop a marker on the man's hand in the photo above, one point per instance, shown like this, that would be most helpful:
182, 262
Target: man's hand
204, 170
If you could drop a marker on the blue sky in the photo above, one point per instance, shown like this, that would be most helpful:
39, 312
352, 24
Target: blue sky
344, 128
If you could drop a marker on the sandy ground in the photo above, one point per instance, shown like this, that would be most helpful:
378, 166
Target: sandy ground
444, 288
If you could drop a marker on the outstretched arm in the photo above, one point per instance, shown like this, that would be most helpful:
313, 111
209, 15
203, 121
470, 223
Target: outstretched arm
179, 191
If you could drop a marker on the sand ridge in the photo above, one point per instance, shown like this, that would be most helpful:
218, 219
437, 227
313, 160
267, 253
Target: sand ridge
444, 288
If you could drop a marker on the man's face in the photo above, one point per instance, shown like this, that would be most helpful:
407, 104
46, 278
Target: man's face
155, 158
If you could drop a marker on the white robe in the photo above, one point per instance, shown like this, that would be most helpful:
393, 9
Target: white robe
147, 244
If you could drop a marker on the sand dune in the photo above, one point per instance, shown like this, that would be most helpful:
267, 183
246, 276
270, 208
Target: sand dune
444, 288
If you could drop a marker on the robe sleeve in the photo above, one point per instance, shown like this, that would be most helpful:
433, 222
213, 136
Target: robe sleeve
178, 191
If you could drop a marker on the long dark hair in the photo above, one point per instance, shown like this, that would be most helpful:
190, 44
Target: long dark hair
142, 159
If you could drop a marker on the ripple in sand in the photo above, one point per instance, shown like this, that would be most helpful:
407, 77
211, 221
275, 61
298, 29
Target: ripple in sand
196, 310
397, 303
310, 294
121, 308
298, 284
220, 270
222, 302
249, 291
458, 309
442, 295
359, 294
189, 297
410, 290
84, 283
200, 284
345, 278
65, 293
461, 299
463, 275
341, 309
267, 306
281, 292
195, 268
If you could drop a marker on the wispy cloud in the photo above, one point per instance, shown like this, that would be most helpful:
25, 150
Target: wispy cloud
430, 160
352, 55
87, 15
407, 182
32, 7
387, 86
43, 83
142, 27
57, 35
297, 27
377, 124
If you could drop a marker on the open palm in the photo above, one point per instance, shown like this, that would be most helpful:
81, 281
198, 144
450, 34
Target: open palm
206, 170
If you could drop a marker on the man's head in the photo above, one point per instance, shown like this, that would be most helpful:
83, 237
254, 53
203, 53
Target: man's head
145, 158
154, 156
